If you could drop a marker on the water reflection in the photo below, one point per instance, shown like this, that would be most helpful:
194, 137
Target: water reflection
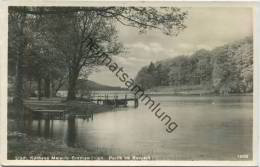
210, 128
71, 134
42, 128
49, 129
39, 128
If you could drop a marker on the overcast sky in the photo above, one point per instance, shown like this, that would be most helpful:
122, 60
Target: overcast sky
206, 28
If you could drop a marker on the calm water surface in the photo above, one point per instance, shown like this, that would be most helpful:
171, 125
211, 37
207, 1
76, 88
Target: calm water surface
210, 128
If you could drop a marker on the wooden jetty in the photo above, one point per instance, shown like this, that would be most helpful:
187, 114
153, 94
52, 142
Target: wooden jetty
53, 108
47, 108
115, 100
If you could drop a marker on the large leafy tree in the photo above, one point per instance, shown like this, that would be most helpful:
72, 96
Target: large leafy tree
147, 77
179, 70
201, 67
233, 67
18, 48
80, 37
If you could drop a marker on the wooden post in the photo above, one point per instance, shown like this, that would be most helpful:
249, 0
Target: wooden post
64, 115
125, 100
136, 102
115, 100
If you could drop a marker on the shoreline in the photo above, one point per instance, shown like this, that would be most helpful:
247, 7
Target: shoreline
195, 94
192, 90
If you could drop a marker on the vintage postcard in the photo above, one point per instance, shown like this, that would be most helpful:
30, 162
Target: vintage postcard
128, 83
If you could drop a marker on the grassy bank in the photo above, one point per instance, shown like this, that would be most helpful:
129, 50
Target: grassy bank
27, 147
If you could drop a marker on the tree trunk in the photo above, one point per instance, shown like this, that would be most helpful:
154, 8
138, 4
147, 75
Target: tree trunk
53, 93
30, 88
73, 77
47, 87
19, 93
19, 80
39, 89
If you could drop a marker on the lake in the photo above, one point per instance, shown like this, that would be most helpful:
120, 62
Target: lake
209, 128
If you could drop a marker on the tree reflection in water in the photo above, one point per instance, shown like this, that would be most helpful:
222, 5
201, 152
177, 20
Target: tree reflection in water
44, 128
71, 132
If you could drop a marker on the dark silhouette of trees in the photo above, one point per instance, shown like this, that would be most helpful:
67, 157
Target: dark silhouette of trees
18, 37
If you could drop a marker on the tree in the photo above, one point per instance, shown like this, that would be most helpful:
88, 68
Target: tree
85, 35
179, 71
232, 64
243, 58
144, 78
18, 46
162, 75
202, 68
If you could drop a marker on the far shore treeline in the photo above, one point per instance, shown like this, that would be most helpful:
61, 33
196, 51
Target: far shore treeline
223, 70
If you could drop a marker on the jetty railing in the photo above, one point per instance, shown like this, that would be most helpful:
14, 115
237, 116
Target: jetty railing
116, 99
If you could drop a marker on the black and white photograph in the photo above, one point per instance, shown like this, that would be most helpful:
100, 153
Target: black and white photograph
130, 83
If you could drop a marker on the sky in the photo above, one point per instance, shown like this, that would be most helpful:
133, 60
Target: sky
207, 28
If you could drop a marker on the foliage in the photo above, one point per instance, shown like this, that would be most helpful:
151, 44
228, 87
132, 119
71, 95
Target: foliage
226, 69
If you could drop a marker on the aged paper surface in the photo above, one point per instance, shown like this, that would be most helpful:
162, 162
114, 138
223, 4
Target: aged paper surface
128, 83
